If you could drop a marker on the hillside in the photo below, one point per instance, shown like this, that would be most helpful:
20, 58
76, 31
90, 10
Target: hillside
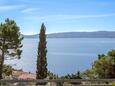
98, 34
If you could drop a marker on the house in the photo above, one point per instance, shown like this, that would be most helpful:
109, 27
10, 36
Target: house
23, 75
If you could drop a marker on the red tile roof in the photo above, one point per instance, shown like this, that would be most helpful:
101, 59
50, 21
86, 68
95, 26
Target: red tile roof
24, 75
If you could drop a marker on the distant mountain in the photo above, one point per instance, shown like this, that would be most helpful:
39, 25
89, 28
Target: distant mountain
31, 36
97, 34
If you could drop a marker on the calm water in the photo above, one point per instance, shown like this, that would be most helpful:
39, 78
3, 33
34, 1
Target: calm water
64, 55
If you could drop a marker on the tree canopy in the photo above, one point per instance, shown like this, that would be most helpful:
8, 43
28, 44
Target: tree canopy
103, 67
41, 72
10, 42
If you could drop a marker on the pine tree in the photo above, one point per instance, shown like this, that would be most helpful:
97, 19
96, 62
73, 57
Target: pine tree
41, 72
10, 42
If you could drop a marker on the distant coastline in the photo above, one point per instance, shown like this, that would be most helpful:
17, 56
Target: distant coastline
96, 34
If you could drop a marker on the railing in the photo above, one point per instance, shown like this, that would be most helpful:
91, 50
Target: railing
83, 82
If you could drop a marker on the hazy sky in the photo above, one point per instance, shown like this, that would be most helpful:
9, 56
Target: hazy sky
60, 15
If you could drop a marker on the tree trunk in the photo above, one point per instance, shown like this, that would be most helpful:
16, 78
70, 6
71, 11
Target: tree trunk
1, 64
2, 60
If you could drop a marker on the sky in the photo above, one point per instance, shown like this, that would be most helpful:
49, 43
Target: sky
60, 15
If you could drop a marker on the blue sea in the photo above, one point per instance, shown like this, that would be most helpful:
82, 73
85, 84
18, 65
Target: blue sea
65, 55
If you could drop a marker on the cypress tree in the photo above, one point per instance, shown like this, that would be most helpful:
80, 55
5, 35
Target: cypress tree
41, 72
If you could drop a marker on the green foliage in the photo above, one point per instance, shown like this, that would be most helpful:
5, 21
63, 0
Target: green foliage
7, 70
89, 73
73, 76
105, 66
10, 42
52, 75
41, 72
